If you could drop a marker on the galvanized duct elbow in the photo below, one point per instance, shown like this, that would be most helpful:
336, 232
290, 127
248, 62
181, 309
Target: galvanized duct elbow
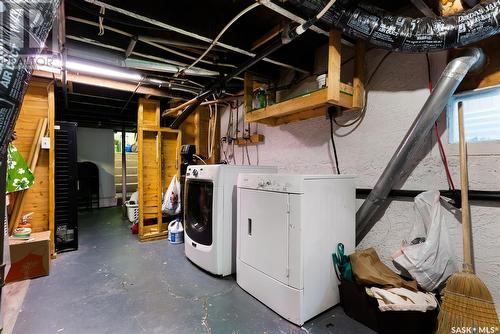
365, 21
399, 167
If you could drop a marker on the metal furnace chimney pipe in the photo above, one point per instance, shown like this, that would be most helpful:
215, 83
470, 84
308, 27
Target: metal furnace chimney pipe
414, 139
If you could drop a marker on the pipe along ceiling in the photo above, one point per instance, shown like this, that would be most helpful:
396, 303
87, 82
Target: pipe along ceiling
378, 27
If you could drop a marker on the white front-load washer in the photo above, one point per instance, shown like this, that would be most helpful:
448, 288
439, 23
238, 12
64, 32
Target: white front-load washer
210, 215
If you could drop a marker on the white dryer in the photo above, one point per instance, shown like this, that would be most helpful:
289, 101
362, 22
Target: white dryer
210, 215
288, 227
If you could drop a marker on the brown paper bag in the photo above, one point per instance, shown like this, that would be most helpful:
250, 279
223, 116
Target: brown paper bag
369, 270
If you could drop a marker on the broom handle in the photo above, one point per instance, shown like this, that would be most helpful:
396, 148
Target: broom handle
464, 179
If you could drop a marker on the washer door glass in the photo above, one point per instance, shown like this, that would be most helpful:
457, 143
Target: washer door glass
198, 211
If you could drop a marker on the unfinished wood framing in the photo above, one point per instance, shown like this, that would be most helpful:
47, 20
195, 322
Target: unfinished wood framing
37, 106
52, 169
314, 104
253, 139
275, 31
334, 63
358, 82
158, 162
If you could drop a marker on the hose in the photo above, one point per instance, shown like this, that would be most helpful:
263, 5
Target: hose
214, 42
286, 38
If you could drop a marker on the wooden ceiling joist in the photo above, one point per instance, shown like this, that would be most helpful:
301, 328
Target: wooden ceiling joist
107, 83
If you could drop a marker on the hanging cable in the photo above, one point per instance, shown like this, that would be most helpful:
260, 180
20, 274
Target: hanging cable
199, 158
442, 152
363, 109
277, 44
130, 98
240, 14
333, 144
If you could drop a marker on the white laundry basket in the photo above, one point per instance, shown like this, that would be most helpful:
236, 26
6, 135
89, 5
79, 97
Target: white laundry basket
132, 212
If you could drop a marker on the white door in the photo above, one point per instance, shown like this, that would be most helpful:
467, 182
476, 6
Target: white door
264, 232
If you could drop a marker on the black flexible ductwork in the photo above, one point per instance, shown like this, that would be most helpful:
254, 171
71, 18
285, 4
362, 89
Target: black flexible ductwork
364, 21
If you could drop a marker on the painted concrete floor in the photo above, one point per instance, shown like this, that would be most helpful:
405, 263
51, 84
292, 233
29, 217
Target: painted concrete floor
114, 284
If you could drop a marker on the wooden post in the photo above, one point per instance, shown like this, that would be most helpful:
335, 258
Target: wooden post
124, 168
248, 92
52, 169
334, 62
358, 94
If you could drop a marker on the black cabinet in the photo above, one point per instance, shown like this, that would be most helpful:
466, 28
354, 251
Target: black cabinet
66, 197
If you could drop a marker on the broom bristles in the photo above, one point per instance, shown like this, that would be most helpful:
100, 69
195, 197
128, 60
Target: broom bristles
467, 302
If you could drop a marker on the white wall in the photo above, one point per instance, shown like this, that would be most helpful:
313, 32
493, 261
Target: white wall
397, 93
97, 146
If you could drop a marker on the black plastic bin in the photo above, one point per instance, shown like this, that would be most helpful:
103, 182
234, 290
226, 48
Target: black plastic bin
363, 308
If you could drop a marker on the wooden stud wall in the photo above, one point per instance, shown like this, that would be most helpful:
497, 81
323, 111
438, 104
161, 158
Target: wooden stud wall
195, 132
158, 162
38, 104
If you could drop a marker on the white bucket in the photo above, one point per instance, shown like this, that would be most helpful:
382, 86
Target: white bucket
175, 232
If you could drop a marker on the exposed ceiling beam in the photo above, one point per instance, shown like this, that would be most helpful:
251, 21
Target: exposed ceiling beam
275, 31
100, 97
286, 13
108, 83
147, 40
96, 104
423, 8
131, 46
188, 33
181, 44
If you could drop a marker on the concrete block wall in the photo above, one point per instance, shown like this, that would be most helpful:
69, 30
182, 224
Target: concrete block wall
397, 92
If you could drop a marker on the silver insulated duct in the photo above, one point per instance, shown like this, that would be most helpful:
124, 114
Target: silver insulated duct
400, 164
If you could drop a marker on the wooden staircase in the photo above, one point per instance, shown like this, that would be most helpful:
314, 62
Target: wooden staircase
131, 174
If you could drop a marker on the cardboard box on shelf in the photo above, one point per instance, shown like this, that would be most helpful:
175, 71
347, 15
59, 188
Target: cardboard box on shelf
29, 258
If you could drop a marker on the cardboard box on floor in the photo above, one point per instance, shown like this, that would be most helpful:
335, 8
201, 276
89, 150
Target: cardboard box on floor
29, 258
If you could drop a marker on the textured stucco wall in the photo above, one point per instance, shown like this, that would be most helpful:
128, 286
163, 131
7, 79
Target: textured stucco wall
397, 93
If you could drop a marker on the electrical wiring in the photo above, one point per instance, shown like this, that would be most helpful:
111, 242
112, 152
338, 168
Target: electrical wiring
363, 109
333, 144
442, 152
112, 19
248, 155
240, 14
199, 158
309, 23
131, 96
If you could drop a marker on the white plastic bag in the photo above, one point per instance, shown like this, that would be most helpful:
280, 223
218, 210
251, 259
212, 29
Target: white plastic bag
171, 200
430, 262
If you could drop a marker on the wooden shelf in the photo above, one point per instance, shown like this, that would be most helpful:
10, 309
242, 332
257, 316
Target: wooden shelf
158, 161
253, 139
306, 106
314, 104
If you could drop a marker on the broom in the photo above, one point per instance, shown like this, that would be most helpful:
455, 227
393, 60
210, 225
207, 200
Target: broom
466, 301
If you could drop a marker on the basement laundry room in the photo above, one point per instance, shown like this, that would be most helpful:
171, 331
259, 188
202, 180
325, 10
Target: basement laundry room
250, 166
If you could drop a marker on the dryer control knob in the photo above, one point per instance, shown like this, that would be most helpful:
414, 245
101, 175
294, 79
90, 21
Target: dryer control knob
195, 172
